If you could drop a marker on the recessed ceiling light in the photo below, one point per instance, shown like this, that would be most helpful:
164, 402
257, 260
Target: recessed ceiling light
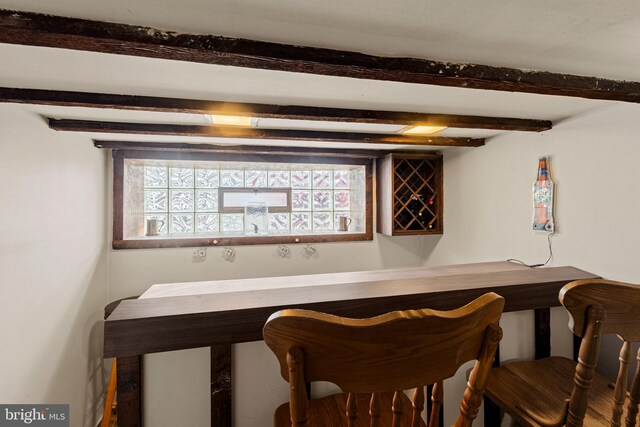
232, 120
421, 130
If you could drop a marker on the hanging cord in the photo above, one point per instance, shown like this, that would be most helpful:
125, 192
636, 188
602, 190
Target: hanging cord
517, 261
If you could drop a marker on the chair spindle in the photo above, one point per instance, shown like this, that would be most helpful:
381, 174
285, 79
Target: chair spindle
397, 409
437, 394
620, 390
374, 410
418, 406
352, 409
472, 398
297, 387
634, 396
586, 367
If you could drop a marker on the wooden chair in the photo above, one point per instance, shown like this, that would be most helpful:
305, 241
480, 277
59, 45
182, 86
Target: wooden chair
560, 392
373, 360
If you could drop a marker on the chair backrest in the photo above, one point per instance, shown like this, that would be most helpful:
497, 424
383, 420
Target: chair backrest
598, 307
396, 351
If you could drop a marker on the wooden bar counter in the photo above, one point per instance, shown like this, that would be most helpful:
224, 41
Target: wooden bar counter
220, 313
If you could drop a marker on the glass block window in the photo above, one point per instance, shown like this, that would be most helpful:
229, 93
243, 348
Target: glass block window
187, 198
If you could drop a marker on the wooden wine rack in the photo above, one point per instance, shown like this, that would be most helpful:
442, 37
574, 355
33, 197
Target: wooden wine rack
410, 194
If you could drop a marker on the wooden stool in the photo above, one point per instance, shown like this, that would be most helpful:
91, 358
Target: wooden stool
109, 404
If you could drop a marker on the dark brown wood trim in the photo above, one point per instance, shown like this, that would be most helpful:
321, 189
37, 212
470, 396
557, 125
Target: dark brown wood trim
221, 400
440, 202
24, 28
129, 385
542, 331
243, 149
118, 208
69, 125
240, 157
118, 198
240, 241
369, 201
292, 112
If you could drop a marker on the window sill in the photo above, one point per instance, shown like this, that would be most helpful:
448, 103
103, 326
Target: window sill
159, 242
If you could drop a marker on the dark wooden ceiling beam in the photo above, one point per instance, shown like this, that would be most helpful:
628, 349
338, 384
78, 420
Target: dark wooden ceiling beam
67, 33
253, 133
292, 112
240, 149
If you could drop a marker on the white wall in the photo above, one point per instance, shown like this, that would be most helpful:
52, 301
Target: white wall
594, 159
594, 163
53, 266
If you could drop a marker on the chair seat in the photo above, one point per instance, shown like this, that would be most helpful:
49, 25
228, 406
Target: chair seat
329, 411
542, 387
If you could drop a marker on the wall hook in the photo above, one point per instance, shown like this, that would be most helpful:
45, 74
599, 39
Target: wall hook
310, 250
284, 251
229, 254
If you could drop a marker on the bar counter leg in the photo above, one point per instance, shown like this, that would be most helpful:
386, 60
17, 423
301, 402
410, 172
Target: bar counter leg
221, 385
542, 333
129, 391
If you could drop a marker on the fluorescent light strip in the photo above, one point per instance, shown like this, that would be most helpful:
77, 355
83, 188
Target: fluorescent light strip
421, 130
244, 121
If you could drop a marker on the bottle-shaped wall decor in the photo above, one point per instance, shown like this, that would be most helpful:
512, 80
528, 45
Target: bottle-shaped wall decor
543, 199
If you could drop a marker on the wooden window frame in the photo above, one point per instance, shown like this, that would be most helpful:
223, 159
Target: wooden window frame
120, 155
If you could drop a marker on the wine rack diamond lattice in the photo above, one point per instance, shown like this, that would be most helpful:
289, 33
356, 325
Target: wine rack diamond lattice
414, 194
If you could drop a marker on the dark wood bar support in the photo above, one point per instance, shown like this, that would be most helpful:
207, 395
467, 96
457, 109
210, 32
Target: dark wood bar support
542, 333
221, 385
129, 391
221, 313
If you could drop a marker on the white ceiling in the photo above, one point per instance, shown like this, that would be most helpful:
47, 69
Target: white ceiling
588, 37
